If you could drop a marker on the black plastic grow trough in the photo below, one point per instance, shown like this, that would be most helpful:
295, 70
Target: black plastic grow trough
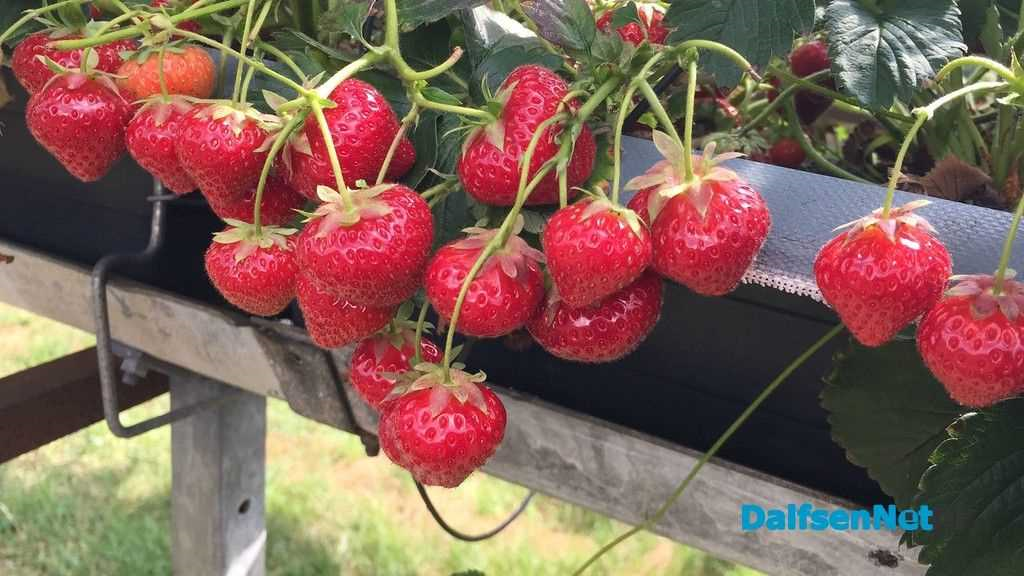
703, 364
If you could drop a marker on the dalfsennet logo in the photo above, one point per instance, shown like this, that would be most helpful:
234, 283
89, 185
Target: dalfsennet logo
808, 517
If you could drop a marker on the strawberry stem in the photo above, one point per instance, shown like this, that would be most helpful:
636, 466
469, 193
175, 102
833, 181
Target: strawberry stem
922, 115
396, 141
160, 75
419, 100
1004, 258
332, 154
691, 100
808, 147
33, 14
282, 57
666, 121
779, 101
137, 30
421, 321
692, 45
243, 45
620, 124
729, 432
275, 148
980, 62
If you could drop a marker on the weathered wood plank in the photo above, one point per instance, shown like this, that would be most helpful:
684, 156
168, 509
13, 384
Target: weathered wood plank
52, 400
611, 470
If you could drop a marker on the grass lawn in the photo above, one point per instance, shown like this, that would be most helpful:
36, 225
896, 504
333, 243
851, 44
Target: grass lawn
91, 504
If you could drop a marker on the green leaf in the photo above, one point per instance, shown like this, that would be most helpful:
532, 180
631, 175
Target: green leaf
319, 46
346, 18
412, 13
757, 29
884, 54
975, 487
566, 23
437, 146
501, 61
625, 15
888, 412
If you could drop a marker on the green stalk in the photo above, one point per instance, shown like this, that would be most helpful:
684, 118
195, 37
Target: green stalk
812, 152
419, 100
275, 148
982, 62
282, 57
833, 95
779, 101
396, 141
736, 57
33, 14
922, 115
691, 103
346, 72
243, 45
620, 123
332, 154
421, 320
743, 417
391, 25
133, 31
666, 120
1004, 258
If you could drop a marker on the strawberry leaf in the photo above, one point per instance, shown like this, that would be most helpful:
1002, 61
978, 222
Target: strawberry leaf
412, 13
975, 486
757, 29
346, 17
888, 412
566, 23
885, 51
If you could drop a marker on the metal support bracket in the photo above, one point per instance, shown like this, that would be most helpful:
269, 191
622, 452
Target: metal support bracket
104, 343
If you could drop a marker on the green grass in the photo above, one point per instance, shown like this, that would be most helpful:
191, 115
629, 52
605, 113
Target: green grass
91, 504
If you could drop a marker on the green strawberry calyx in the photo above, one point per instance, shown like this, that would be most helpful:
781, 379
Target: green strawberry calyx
903, 215
671, 181
162, 107
333, 211
493, 130
984, 301
599, 204
443, 383
250, 238
514, 257
236, 116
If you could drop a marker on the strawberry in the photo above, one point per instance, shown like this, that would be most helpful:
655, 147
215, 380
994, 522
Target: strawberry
254, 270
593, 249
152, 138
490, 163
648, 28
280, 204
223, 147
378, 356
373, 255
80, 119
806, 60
706, 233
638, 204
973, 341
362, 125
33, 74
441, 427
175, 6
786, 152
602, 332
505, 293
331, 321
188, 71
882, 274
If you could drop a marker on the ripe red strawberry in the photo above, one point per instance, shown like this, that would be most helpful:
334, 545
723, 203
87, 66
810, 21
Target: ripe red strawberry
331, 321
882, 274
174, 6
280, 204
649, 27
601, 332
81, 121
705, 234
255, 270
222, 148
33, 74
152, 138
362, 125
973, 341
806, 60
505, 293
639, 205
490, 174
374, 255
593, 249
786, 152
188, 71
442, 429
378, 356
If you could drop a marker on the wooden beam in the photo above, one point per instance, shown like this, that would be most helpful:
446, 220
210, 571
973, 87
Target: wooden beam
609, 469
52, 400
